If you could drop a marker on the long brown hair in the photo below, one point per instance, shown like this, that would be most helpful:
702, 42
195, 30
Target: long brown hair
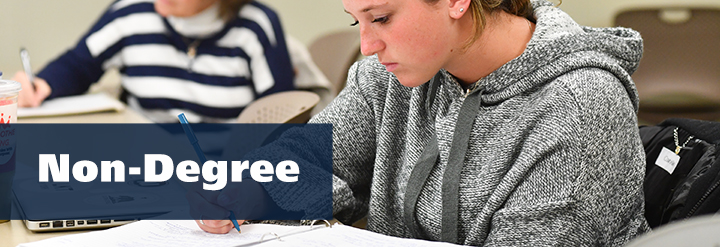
479, 8
229, 9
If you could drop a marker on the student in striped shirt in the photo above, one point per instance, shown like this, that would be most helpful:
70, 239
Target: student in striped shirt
206, 58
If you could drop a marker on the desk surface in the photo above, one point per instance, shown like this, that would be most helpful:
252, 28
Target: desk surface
125, 116
14, 232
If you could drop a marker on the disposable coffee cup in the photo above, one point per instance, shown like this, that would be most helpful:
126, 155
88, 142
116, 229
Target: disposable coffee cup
8, 117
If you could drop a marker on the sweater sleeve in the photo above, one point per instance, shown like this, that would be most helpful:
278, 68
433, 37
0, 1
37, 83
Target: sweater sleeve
272, 38
584, 187
353, 152
353, 115
74, 71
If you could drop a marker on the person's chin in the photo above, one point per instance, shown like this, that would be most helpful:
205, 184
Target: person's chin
410, 81
162, 8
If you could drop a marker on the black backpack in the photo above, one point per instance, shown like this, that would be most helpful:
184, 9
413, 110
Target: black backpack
691, 187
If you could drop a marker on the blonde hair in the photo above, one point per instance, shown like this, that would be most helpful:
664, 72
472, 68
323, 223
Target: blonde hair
229, 9
479, 8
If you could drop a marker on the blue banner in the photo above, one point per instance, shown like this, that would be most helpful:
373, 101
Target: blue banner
136, 171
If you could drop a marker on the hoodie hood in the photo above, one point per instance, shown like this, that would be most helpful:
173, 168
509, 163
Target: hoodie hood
560, 45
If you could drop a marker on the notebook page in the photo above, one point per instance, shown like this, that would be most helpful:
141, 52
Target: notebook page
154, 233
341, 235
85, 103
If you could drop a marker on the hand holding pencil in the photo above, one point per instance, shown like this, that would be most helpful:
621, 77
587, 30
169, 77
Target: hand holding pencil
212, 208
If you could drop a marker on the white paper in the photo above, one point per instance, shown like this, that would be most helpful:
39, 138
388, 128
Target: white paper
155, 233
341, 235
86, 103
160, 233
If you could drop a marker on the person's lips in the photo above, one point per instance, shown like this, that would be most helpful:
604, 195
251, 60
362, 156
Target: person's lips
390, 66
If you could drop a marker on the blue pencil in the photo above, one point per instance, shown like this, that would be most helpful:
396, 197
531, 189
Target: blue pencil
234, 220
194, 142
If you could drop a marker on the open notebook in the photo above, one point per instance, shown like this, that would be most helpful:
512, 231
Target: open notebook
79, 104
187, 233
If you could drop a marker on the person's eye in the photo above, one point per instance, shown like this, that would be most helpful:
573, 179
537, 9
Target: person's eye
355, 23
381, 20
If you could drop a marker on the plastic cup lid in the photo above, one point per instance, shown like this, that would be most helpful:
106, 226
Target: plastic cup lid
8, 86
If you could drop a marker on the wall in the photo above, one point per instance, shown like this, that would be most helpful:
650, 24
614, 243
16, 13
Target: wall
599, 13
49, 27
45, 27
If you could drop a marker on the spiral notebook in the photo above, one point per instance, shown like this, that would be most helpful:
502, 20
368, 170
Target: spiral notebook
187, 233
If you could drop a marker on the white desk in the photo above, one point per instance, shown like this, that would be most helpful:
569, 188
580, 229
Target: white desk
14, 232
126, 116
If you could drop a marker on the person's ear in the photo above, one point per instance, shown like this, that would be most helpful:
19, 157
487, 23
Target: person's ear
458, 8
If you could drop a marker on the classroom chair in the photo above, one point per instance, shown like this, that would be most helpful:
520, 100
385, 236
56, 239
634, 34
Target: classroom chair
291, 107
699, 231
334, 53
679, 74
282, 107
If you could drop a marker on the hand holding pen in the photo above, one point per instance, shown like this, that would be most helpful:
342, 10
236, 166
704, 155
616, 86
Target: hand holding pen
25, 58
201, 155
213, 208
34, 90
247, 198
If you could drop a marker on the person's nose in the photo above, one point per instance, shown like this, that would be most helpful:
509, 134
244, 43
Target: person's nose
369, 42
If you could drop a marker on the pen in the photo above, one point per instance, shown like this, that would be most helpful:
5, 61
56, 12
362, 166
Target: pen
25, 58
194, 142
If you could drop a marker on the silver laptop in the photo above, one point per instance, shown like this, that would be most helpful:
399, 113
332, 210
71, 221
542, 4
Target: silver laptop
55, 206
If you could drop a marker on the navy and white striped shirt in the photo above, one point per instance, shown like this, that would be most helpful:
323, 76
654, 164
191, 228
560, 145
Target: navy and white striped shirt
246, 60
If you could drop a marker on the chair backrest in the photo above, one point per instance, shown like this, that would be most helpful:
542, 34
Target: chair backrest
334, 53
282, 107
701, 231
680, 69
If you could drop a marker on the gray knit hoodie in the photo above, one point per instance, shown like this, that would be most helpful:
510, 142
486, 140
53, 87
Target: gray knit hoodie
553, 157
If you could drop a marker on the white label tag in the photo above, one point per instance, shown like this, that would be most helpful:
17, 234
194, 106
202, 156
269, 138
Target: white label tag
667, 160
